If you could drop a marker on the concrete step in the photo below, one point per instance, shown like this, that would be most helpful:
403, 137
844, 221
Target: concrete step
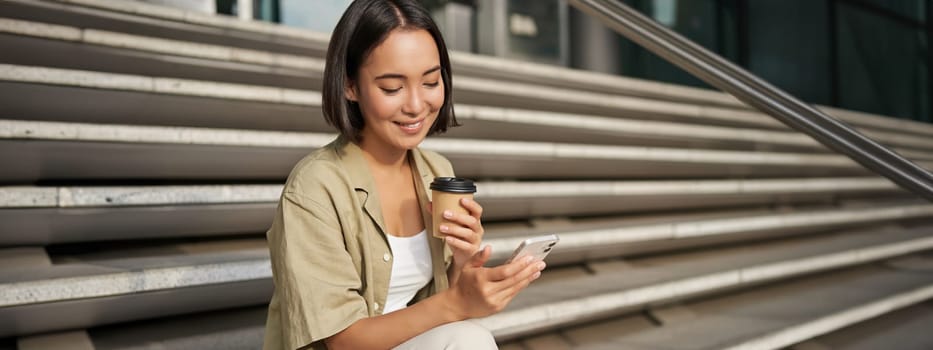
475, 65
29, 101
483, 122
235, 329
113, 52
157, 85
80, 295
781, 315
75, 151
49, 215
173, 96
611, 288
74, 104
132, 17
608, 237
468, 89
242, 329
584, 238
187, 108
635, 284
64, 54
915, 155
908, 328
44, 44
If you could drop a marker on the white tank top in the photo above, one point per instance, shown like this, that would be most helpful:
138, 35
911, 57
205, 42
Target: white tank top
411, 269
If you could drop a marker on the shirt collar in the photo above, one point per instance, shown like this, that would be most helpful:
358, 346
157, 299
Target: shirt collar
358, 170
355, 163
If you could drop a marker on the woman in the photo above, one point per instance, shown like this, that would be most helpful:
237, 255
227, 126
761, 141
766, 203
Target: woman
353, 265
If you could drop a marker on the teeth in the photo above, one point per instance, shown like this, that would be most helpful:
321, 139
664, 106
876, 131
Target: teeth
410, 126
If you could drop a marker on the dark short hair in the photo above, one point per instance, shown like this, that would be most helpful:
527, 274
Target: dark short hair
364, 25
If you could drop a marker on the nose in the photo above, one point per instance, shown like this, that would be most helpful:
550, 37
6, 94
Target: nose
414, 104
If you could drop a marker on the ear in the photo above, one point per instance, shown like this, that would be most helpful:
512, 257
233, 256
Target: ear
349, 91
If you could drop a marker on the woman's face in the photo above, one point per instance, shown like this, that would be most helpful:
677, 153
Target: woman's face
399, 90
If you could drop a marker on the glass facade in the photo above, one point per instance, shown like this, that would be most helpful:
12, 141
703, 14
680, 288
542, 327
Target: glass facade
696, 20
867, 55
792, 55
882, 63
317, 15
531, 30
534, 28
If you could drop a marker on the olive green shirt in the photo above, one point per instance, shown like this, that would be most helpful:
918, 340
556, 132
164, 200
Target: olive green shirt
331, 261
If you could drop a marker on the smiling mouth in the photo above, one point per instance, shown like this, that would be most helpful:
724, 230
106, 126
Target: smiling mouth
410, 126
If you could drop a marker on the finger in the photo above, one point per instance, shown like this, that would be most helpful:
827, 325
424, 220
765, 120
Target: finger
431, 207
472, 225
481, 257
517, 258
461, 245
520, 280
523, 274
460, 219
505, 271
472, 206
507, 294
461, 233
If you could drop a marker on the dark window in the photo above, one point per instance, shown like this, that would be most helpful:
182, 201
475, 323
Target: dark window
882, 64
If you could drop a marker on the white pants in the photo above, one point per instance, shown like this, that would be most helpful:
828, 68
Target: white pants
463, 335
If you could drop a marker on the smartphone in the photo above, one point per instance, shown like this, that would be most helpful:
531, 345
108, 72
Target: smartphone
537, 247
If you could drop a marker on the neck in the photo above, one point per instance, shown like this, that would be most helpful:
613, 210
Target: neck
382, 159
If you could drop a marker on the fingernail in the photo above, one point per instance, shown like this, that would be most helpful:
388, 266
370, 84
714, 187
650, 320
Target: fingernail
448, 214
541, 265
536, 275
444, 228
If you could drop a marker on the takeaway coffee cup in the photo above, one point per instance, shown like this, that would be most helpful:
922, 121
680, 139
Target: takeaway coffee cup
445, 195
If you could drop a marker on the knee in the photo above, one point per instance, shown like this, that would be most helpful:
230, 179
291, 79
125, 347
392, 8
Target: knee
463, 335
469, 335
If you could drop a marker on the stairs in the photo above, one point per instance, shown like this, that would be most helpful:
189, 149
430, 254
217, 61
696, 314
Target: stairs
145, 149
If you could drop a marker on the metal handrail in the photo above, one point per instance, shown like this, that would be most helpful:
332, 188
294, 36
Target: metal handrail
726, 76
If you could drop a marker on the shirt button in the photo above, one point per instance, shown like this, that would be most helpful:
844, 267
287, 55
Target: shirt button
386, 257
376, 306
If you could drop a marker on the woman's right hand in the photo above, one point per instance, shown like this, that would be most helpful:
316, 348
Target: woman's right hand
483, 291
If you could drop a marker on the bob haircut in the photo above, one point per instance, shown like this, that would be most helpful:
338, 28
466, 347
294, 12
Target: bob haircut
364, 25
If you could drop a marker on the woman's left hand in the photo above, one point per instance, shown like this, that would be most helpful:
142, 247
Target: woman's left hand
465, 237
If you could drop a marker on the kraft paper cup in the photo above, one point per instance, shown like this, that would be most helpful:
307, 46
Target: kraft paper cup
446, 193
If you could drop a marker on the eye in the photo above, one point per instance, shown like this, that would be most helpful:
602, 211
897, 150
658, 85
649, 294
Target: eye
390, 91
433, 85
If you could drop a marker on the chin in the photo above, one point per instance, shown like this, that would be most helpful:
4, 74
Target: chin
410, 144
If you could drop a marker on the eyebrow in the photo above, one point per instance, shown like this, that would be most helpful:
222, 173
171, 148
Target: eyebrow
399, 76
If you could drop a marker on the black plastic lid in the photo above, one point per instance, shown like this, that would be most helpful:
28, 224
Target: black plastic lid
453, 184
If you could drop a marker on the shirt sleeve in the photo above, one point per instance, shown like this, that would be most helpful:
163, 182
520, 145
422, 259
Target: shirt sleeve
314, 275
